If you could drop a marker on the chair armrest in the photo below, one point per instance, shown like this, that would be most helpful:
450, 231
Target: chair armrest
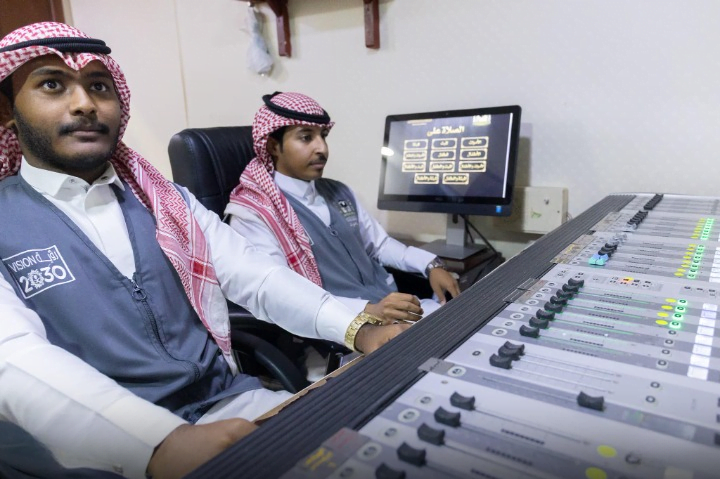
279, 366
242, 319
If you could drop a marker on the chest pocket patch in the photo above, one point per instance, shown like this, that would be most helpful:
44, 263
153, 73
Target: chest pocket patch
37, 270
347, 209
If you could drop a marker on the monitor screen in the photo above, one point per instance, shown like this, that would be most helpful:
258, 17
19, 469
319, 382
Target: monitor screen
460, 161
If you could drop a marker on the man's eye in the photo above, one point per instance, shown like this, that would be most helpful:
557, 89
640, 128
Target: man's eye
51, 84
100, 87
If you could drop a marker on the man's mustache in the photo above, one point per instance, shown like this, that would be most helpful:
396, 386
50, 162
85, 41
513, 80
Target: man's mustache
84, 126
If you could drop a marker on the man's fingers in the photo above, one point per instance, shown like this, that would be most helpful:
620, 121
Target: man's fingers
401, 297
400, 315
405, 308
440, 293
454, 289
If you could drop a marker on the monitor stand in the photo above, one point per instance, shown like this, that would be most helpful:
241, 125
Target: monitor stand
454, 247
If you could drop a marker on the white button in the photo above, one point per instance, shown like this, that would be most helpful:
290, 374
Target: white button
697, 360
702, 350
697, 373
705, 331
710, 323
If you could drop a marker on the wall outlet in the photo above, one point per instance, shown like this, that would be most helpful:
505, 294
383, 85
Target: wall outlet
536, 209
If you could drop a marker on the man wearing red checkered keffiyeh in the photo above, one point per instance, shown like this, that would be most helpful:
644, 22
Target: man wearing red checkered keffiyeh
258, 191
282, 197
183, 243
64, 105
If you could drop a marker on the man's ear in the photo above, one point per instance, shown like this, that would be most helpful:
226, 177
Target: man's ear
7, 119
272, 147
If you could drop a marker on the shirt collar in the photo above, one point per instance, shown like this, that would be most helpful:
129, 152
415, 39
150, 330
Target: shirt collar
299, 189
52, 182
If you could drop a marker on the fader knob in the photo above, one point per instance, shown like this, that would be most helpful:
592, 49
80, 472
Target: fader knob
520, 348
564, 294
462, 402
529, 331
591, 402
542, 314
500, 362
443, 416
539, 323
411, 455
386, 472
555, 308
513, 354
431, 435
557, 300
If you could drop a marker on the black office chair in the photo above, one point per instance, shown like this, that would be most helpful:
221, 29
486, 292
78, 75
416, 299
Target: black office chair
208, 162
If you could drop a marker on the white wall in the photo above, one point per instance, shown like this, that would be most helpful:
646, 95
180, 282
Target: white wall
619, 95
143, 36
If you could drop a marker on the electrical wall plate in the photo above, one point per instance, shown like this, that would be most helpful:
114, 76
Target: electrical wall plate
536, 209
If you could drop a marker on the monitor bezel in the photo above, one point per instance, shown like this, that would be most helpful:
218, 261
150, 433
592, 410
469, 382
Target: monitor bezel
482, 206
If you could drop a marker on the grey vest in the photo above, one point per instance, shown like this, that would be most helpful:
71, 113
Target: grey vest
143, 333
345, 267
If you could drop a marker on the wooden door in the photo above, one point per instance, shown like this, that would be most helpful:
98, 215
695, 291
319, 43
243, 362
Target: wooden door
16, 13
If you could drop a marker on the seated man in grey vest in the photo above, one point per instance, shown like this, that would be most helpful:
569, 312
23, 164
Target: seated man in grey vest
114, 336
316, 225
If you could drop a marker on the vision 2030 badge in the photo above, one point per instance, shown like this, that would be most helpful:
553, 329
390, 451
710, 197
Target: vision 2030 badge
37, 270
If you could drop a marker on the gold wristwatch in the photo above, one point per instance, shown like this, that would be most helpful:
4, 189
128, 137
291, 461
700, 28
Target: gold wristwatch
356, 324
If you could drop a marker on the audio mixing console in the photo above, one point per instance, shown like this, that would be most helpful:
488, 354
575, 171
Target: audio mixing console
600, 363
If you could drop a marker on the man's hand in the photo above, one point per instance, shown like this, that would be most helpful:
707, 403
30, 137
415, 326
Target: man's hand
370, 337
442, 281
188, 446
396, 307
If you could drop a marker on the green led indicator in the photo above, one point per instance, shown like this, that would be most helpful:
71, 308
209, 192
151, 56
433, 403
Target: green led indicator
691, 275
675, 325
679, 317
682, 301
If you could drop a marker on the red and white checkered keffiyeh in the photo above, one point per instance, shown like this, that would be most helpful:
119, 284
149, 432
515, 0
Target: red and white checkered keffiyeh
178, 233
258, 192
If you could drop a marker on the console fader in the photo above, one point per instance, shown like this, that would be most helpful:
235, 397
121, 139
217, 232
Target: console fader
606, 366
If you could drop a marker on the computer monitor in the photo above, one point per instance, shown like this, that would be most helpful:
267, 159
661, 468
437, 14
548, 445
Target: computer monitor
460, 162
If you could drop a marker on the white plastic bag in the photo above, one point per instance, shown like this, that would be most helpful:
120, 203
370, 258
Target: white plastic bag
258, 57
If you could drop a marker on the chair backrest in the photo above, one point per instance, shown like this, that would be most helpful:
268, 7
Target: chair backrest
209, 161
